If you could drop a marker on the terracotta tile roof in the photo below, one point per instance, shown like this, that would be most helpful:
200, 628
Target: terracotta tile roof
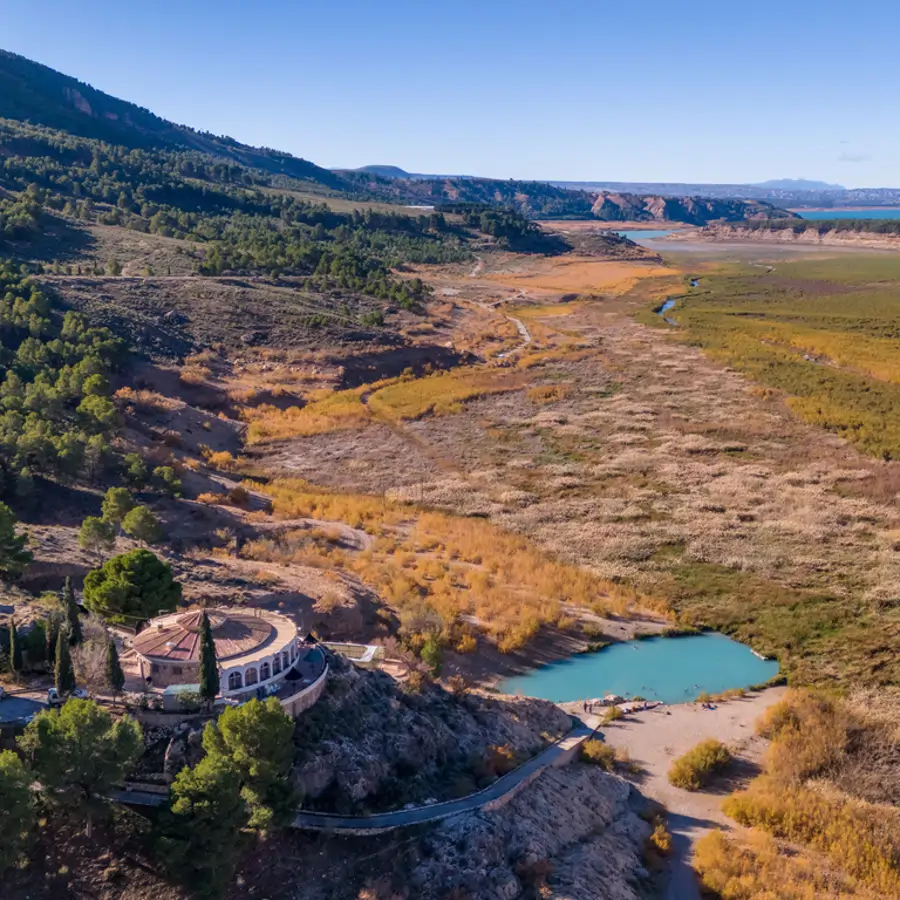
177, 638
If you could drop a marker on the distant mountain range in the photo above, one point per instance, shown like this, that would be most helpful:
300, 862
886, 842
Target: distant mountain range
799, 184
792, 192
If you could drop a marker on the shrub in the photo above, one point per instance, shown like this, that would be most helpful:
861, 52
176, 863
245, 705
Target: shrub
612, 714
142, 525
599, 754
239, 496
696, 768
222, 460
167, 481
661, 839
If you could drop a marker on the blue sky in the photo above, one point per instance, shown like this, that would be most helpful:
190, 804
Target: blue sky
682, 90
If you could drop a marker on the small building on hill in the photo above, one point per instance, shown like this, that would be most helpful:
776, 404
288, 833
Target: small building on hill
256, 650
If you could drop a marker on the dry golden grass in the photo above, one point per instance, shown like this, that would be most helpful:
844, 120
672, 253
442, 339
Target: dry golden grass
441, 393
325, 412
581, 274
549, 393
144, 401
194, 375
757, 869
434, 566
222, 460
811, 739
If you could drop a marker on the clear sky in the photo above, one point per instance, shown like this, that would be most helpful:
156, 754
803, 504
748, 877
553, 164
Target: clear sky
629, 90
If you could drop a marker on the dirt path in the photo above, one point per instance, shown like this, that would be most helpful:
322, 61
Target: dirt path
653, 739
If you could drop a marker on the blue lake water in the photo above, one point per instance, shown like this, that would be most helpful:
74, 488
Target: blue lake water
885, 213
639, 234
673, 669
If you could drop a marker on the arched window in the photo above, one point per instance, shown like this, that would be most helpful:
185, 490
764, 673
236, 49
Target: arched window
276, 664
284, 656
234, 681
250, 676
265, 672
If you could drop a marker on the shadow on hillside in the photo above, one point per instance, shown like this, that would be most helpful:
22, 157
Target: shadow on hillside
52, 503
59, 240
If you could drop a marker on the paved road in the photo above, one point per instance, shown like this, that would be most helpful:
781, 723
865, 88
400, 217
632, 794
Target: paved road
421, 814
18, 709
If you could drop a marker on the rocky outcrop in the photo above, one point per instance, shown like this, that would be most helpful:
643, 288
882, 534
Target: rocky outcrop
574, 833
368, 745
690, 210
185, 748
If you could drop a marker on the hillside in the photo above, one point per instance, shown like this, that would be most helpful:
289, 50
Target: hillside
32, 92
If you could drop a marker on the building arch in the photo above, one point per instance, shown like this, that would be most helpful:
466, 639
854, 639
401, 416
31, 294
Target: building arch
276, 664
251, 676
235, 681
265, 672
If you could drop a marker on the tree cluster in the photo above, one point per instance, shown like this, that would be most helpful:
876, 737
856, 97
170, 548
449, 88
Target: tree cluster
56, 411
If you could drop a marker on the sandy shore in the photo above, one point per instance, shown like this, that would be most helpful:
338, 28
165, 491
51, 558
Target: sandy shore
653, 739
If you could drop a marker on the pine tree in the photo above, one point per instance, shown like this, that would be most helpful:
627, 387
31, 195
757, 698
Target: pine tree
71, 607
64, 674
14, 558
15, 649
209, 665
115, 677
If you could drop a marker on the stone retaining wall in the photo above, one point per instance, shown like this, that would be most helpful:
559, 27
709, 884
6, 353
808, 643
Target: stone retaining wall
304, 699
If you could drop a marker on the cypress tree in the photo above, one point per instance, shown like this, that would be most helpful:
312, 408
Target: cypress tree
115, 677
15, 649
71, 609
209, 665
51, 634
64, 674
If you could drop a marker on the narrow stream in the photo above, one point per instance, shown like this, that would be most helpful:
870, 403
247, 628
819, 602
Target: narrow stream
662, 310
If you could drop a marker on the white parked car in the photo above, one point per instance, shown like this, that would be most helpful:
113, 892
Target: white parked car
54, 698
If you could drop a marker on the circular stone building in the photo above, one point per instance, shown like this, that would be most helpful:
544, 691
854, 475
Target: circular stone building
255, 650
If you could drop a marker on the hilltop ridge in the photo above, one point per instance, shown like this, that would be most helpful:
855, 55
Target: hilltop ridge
32, 92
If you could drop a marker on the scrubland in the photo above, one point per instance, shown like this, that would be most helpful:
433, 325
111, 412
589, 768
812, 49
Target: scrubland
455, 577
823, 333
653, 466
807, 796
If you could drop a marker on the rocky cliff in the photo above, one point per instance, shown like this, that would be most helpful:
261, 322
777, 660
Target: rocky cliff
369, 745
811, 235
575, 833
690, 210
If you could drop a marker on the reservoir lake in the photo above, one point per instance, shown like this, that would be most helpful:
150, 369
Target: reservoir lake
884, 213
670, 669
642, 234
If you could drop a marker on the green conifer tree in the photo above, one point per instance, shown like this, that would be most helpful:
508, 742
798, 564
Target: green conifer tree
63, 674
209, 665
115, 677
15, 649
71, 608
51, 635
